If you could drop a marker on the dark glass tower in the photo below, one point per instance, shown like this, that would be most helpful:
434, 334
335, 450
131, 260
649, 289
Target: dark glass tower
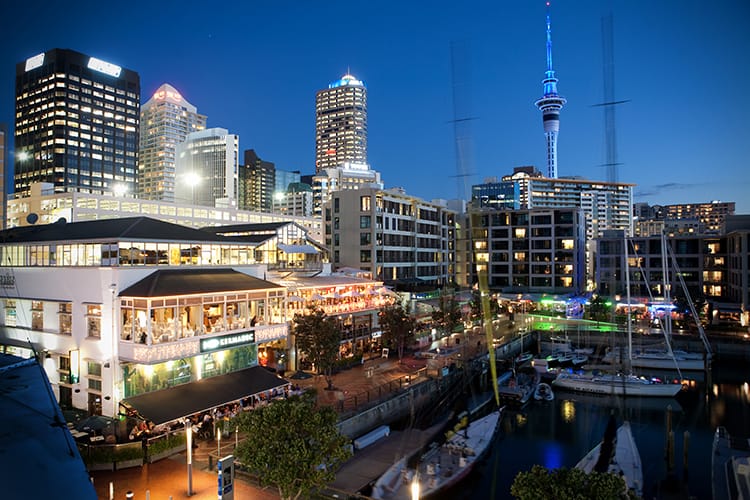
77, 120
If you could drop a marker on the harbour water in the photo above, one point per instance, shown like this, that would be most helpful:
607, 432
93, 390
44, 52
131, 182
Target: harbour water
558, 433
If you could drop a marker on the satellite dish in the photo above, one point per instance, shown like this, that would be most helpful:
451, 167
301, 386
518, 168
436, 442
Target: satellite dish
32, 218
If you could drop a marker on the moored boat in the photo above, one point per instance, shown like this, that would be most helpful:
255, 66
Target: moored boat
618, 384
730, 466
544, 392
442, 465
616, 453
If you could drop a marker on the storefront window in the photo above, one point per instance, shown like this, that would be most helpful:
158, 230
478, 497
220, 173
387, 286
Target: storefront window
37, 315
139, 379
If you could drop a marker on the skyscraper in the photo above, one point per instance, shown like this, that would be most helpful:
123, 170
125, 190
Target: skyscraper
76, 124
341, 124
166, 119
206, 168
550, 105
257, 181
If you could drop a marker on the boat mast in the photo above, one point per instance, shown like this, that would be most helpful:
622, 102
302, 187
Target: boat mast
627, 294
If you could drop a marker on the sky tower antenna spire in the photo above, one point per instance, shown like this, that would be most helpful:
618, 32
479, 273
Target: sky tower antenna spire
550, 105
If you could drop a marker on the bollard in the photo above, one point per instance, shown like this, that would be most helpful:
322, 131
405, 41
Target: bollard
111, 490
148, 494
129, 495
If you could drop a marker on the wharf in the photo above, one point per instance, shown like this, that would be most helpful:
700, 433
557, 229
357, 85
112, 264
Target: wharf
368, 464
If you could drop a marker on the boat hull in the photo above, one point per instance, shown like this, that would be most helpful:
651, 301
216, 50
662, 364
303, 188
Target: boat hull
441, 467
619, 385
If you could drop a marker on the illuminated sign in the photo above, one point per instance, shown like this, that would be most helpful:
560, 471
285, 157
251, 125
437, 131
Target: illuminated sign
104, 67
7, 281
163, 94
75, 366
226, 341
34, 62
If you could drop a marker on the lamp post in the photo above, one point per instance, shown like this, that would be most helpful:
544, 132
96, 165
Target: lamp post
189, 441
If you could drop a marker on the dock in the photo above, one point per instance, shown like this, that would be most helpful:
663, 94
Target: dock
368, 464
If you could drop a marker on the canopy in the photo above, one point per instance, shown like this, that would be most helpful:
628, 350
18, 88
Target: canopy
297, 248
181, 401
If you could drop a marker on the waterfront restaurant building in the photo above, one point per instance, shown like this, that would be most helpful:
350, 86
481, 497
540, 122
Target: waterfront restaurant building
141, 315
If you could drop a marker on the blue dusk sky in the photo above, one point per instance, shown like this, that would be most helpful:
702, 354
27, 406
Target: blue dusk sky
254, 68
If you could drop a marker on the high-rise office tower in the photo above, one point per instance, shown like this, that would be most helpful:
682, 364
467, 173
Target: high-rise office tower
76, 124
166, 119
550, 105
206, 168
257, 180
341, 124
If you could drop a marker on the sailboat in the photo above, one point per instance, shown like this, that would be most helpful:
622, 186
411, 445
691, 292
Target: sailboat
616, 453
664, 357
442, 465
621, 384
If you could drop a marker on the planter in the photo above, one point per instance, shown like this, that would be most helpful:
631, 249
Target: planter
126, 464
109, 466
165, 454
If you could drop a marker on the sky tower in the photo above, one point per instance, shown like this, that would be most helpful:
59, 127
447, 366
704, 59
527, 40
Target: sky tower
550, 105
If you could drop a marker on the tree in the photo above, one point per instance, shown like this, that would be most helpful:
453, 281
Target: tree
476, 306
318, 337
398, 327
447, 315
599, 309
293, 445
570, 484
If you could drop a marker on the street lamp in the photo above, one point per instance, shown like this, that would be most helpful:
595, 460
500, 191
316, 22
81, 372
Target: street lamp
192, 179
189, 441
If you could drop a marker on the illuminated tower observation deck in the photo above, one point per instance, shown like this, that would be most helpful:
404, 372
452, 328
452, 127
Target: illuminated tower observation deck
550, 105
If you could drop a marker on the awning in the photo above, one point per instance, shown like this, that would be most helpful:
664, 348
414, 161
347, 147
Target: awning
297, 248
181, 401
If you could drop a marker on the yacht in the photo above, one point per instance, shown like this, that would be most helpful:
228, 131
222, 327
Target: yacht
618, 384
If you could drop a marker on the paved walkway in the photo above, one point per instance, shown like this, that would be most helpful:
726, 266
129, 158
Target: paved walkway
167, 478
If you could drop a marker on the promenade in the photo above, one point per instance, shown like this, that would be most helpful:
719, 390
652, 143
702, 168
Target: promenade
354, 387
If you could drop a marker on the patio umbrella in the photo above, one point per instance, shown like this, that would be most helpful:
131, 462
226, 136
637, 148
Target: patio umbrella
96, 424
317, 296
294, 298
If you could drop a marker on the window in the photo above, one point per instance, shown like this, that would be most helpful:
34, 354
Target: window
364, 203
10, 312
365, 238
94, 369
65, 317
37, 315
336, 205
94, 320
64, 369
365, 256
364, 222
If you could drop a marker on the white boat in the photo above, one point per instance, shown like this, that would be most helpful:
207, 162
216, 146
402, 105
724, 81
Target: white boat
518, 389
442, 466
555, 344
616, 453
618, 384
544, 392
730, 466
659, 359
579, 359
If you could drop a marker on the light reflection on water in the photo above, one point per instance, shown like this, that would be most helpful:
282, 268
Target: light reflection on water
558, 433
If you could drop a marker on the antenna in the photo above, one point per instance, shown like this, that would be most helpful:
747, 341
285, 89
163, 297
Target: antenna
461, 77
608, 68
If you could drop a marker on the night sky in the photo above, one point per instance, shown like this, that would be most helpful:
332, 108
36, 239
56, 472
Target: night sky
254, 68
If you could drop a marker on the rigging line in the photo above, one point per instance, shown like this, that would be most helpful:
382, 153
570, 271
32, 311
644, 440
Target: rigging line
667, 340
704, 339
